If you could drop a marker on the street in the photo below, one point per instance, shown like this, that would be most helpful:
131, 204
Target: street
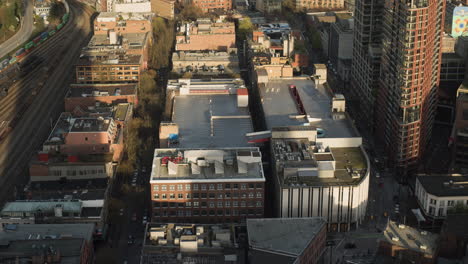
23, 33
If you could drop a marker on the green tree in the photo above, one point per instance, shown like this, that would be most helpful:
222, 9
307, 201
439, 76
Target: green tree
163, 33
57, 10
245, 28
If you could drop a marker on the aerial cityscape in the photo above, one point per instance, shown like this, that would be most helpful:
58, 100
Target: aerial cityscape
234, 131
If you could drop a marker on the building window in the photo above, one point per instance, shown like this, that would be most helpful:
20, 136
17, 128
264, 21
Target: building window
220, 186
220, 204
259, 204
211, 195
180, 196
156, 196
171, 196
163, 187
243, 186
236, 186
220, 196
227, 204
243, 195
171, 204
432, 201
203, 195
431, 210
235, 203
212, 187
188, 196
203, 187
227, 186
258, 185
251, 195
195, 187
196, 204
242, 204
450, 203
180, 187
227, 195
203, 204
156, 187
259, 195
196, 195
171, 188
235, 212
220, 212
196, 213
212, 204
188, 204
227, 212
187, 187
164, 196
251, 185
188, 213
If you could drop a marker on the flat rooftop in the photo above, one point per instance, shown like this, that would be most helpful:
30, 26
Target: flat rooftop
125, 40
208, 121
207, 164
280, 108
69, 249
411, 238
284, 235
96, 90
46, 231
445, 185
94, 57
89, 189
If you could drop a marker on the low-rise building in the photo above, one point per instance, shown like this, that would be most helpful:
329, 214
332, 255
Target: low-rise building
205, 63
42, 9
42, 243
319, 165
123, 23
206, 35
408, 243
207, 114
163, 8
109, 67
212, 5
286, 240
218, 185
86, 96
438, 194
194, 243
86, 135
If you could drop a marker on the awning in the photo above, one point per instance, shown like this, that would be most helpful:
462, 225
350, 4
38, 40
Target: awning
418, 214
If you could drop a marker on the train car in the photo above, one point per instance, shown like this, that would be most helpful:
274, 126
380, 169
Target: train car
37, 39
5, 62
20, 53
29, 46
44, 35
65, 18
52, 32
13, 60
59, 26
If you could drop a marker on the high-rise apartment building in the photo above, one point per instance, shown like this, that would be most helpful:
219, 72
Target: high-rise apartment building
409, 78
365, 70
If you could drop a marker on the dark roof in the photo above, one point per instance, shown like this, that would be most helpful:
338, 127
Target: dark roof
125, 89
444, 185
92, 189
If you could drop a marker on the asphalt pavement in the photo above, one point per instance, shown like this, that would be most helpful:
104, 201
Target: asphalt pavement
23, 33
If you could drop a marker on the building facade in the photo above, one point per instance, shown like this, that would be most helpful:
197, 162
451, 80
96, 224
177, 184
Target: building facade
409, 81
459, 137
206, 35
365, 67
319, 4
212, 5
207, 185
438, 194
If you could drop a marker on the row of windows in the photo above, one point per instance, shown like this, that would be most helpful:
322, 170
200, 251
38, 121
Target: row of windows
203, 187
78, 172
209, 204
226, 212
227, 195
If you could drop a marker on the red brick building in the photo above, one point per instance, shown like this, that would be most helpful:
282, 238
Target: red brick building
206, 35
85, 96
207, 185
268, 236
212, 5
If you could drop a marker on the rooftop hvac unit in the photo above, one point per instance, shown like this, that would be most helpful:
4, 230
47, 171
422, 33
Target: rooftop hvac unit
202, 163
172, 168
423, 247
395, 238
230, 162
401, 226
423, 233
195, 169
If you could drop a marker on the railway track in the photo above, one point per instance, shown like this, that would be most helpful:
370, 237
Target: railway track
33, 126
24, 87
